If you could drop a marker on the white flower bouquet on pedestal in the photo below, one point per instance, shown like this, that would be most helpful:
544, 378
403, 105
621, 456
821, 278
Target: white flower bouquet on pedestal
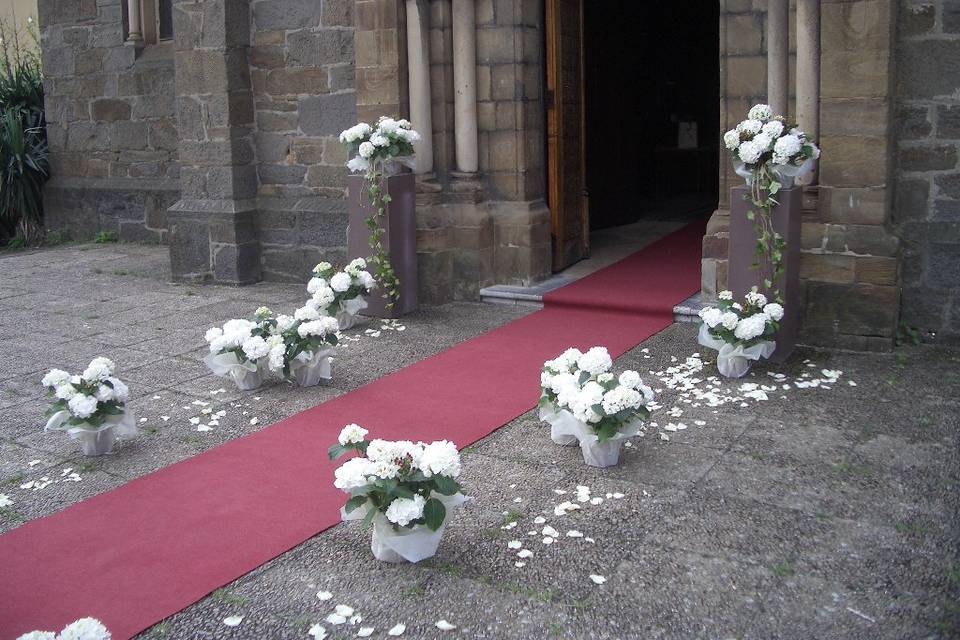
303, 345
341, 293
740, 333
404, 490
90, 407
767, 142
239, 349
585, 403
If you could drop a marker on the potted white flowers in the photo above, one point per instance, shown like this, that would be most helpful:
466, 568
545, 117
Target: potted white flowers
82, 629
342, 293
307, 340
765, 215
741, 333
90, 407
584, 402
405, 490
239, 349
382, 210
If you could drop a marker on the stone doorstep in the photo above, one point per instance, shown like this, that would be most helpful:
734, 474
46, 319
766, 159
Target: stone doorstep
532, 296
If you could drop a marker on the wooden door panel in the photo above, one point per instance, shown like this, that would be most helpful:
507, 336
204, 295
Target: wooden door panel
566, 192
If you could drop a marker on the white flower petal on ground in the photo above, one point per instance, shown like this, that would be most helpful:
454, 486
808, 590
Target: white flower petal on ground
597, 579
596, 501
5, 500
335, 619
254, 421
524, 553
519, 565
443, 625
33, 463
355, 620
513, 544
573, 533
204, 427
618, 496
365, 632
539, 520
397, 629
344, 610
323, 596
318, 632
232, 621
550, 531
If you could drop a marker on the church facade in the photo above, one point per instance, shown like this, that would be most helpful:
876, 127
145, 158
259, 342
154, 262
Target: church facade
211, 126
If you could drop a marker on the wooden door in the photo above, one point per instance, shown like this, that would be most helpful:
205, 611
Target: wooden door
566, 159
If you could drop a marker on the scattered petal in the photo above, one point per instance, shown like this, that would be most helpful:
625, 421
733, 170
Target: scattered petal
524, 553
514, 544
5, 500
539, 520
232, 621
519, 565
573, 533
365, 632
324, 595
318, 632
254, 421
33, 463
443, 625
597, 579
397, 630
547, 540
335, 619
344, 610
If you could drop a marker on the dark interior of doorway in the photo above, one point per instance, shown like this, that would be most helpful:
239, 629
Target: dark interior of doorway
651, 78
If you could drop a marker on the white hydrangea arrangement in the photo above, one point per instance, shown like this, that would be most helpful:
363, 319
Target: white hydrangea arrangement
376, 152
768, 141
304, 344
740, 332
404, 489
82, 629
241, 348
341, 293
90, 407
585, 402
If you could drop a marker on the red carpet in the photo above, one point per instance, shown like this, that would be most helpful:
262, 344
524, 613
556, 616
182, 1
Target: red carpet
140, 553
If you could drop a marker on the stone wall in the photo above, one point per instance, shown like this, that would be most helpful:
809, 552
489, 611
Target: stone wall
110, 123
849, 263
927, 203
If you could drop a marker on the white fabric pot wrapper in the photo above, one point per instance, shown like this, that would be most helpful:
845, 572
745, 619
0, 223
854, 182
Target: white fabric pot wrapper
734, 361
96, 441
308, 373
347, 317
405, 545
560, 433
789, 173
596, 453
246, 375
741, 170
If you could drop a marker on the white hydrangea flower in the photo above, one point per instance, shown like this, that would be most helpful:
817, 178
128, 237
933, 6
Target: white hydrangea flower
38, 635
352, 474
98, 369
751, 327
366, 150
356, 132
711, 316
729, 320
104, 393
546, 379
629, 379
379, 140
440, 458
284, 323
65, 391
756, 299
750, 152
82, 405
358, 164
763, 140
256, 348
605, 377
366, 280
306, 313
725, 295
386, 450
387, 125
750, 127
213, 334
85, 629
774, 311
263, 313
787, 147
319, 327
315, 284
56, 378
340, 282
620, 398
731, 139
385, 469
324, 297
595, 361
774, 129
352, 434
569, 358
275, 360
322, 267
760, 112
564, 381
403, 511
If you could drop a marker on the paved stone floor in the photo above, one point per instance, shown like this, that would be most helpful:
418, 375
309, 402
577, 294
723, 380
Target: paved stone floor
821, 512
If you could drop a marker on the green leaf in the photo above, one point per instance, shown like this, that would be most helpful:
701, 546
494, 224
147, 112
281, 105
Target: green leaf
355, 503
446, 486
367, 519
337, 450
401, 491
433, 513
582, 379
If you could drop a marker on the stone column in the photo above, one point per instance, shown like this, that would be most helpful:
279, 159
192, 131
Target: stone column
134, 33
808, 66
778, 55
465, 85
213, 228
418, 72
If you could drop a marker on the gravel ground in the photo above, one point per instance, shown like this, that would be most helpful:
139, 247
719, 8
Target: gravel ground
827, 511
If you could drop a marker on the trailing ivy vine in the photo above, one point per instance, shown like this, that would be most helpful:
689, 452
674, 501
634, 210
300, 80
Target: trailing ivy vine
770, 244
383, 270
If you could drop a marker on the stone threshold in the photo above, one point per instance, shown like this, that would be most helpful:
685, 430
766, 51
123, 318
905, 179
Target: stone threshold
532, 296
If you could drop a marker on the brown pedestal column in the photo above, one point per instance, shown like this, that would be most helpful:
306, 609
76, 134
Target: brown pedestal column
743, 276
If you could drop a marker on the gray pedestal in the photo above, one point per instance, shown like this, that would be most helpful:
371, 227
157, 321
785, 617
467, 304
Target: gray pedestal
399, 239
742, 276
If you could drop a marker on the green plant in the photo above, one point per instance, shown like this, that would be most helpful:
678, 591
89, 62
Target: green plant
106, 237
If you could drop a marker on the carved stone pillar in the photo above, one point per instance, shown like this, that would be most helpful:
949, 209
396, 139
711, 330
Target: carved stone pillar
418, 72
778, 55
465, 85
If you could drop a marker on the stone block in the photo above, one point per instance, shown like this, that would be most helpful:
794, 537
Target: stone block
267, 56
911, 199
827, 268
913, 122
128, 135
307, 151
928, 68
324, 228
948, 121
327, 115
236, 263
109, 110
282, 15
281, 174
331, 177
163, 135
294, 81
341, 77
315, 48
946, 211
851, 309
277, 121
948, 185
853, 161
927, 158
943, 265
924, 308
916, 19
881, 271
744, 34
853, 205
337, 13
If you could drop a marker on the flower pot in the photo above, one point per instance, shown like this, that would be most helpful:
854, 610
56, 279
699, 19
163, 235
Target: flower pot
399, 238
246, 375
416, 544
734, 361
733, 366
741, 274
310, 371
99, 442
347, 317
560, 432
601, 454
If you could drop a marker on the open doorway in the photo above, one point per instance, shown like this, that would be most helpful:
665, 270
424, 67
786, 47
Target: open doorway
633, 103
